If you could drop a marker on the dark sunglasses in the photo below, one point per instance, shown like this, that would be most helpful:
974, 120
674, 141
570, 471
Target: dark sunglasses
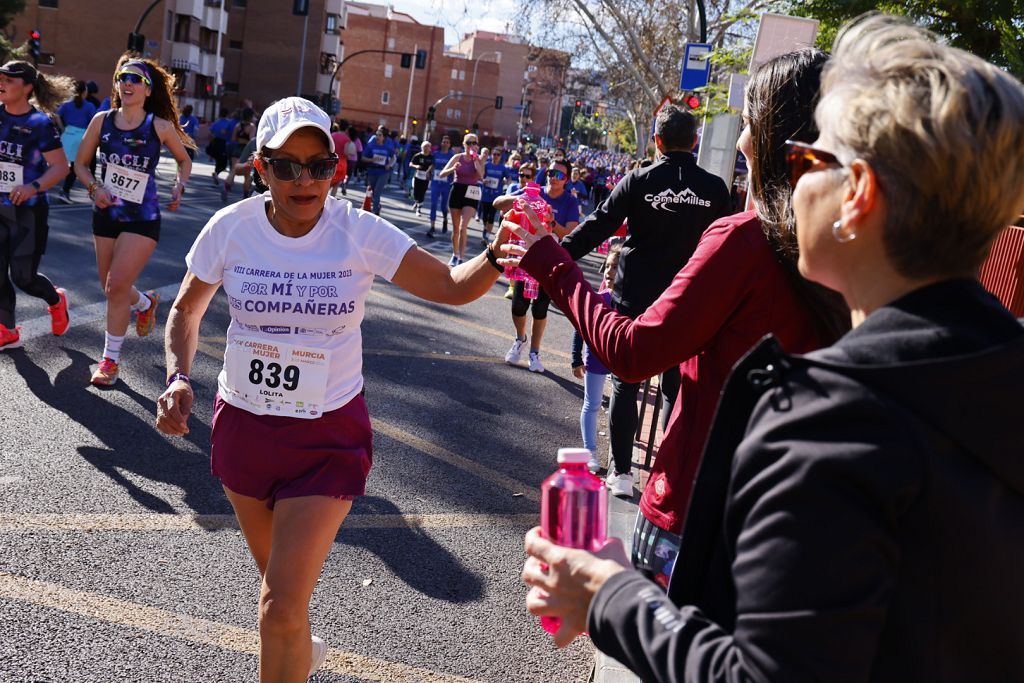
472, 144
557, 175
286, 169
131, 77
801, 158
525, 175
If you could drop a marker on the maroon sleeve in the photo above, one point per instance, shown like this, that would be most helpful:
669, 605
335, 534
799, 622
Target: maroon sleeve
678, 326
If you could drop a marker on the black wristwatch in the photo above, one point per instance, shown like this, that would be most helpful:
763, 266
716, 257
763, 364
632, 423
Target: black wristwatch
493, 259
35, 184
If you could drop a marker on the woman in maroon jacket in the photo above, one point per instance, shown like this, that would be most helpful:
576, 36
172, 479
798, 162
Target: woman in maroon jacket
740, 284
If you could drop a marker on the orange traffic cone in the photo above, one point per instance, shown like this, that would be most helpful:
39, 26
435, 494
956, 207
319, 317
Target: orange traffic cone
368, 199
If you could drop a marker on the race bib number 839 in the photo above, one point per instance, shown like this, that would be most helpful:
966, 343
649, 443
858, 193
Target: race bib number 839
278, 379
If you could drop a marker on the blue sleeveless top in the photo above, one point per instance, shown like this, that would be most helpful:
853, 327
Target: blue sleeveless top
24, 138
139, 150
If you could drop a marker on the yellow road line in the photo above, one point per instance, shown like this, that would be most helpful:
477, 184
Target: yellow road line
434, 355
423, 445
455, 460
172, 522
194, 630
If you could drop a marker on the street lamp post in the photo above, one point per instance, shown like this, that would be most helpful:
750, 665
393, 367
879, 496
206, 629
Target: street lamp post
476, 63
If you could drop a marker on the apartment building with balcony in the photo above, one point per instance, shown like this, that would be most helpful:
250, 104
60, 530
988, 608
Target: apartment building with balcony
374, 88
531, 80
264, 59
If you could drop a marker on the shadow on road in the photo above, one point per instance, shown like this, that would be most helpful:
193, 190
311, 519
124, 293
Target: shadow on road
414, 556
132, 445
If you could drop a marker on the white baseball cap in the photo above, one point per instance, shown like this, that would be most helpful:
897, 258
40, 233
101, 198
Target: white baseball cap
286, 116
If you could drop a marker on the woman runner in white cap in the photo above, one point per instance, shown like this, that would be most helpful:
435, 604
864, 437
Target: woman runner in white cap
291, 437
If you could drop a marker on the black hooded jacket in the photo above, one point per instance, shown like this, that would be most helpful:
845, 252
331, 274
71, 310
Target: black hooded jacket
866, 523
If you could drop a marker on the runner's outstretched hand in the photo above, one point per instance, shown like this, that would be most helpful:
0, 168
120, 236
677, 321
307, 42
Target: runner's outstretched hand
173, 408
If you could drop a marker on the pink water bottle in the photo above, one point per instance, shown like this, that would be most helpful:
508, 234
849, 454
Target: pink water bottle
573, 509
531, 288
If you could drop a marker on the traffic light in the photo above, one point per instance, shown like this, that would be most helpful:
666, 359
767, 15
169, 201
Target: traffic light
498, 102
35, 48
415, 122
136, 43
421, 59
692, 101
431, 112
300, 8
579, 103
406, 60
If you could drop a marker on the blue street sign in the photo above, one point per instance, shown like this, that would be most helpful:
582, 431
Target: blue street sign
696, 68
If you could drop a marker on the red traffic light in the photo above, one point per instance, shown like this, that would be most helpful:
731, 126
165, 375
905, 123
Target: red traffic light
692, 101
579, 103
34, 35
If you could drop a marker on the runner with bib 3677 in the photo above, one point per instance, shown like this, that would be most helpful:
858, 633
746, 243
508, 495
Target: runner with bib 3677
126, 221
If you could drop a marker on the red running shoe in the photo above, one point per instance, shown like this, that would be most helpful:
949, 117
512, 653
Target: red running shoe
146, 320
59, 313
10, 339
105, 373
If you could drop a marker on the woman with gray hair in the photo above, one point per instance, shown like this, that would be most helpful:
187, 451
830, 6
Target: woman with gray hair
858, 513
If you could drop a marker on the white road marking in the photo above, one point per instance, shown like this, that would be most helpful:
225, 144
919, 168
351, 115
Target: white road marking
85, 315
174, 522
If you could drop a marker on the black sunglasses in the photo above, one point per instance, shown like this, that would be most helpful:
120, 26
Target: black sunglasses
557, 175
801, 158
286, 169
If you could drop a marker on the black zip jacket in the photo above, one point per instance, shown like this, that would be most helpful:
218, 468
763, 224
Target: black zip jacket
669, 205
866, 523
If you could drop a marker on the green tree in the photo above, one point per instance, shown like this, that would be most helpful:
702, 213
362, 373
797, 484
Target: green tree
8, 49
991, 29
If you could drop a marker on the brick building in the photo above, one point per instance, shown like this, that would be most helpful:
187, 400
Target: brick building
262, 51
374, 88
531, 77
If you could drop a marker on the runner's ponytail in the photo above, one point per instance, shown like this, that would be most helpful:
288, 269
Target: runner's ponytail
49, 92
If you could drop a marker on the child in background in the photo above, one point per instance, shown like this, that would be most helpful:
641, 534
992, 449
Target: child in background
589, 368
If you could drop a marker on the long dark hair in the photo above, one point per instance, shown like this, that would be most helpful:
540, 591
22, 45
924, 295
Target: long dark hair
780, 100
161, 100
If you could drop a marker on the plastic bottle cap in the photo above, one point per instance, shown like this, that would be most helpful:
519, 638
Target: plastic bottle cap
568, 456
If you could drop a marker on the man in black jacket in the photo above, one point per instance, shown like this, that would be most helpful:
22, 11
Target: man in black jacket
668, 204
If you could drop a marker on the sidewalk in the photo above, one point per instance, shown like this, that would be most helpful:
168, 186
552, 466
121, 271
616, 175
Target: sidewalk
621, 521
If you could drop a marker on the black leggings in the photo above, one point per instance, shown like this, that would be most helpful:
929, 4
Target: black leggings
419, 189
23, 233
623, 414
520, 304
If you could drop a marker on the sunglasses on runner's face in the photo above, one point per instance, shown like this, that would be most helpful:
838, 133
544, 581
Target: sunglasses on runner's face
556, 174
801, 158
286, 169
525, 175
132, 77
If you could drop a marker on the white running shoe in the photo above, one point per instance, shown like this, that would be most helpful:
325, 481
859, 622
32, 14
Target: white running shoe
516, 352
319, 655
620, 485
535, 364
593, 464
453, 261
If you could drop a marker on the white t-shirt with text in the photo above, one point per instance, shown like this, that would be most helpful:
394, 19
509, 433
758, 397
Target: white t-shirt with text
294, 345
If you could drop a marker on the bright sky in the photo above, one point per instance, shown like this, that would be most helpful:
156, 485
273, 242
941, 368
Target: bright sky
458, 16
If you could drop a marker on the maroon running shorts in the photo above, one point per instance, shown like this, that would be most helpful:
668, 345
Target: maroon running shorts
273, 457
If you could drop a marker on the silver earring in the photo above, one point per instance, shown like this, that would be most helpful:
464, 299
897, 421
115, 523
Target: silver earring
837, 233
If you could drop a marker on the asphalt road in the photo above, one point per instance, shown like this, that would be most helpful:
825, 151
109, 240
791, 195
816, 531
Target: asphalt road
120, 559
